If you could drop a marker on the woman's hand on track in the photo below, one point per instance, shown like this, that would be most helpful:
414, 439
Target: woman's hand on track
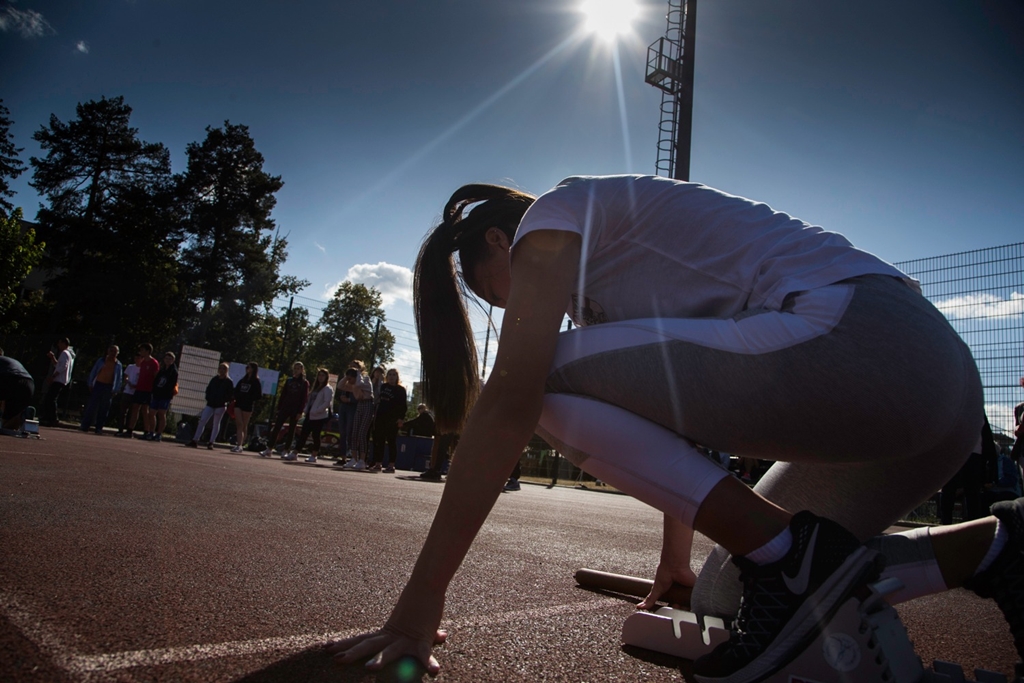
666, 575
384, 647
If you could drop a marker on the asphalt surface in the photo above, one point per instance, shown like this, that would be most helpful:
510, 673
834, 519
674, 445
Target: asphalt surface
126, 560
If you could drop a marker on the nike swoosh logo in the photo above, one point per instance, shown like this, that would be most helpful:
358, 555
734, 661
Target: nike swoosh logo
798, 584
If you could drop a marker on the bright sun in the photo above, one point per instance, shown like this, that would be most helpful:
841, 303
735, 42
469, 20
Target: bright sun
609, 18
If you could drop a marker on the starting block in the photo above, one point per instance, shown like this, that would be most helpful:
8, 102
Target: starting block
865, 641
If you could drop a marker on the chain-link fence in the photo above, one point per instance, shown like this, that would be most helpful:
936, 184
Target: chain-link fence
981, 292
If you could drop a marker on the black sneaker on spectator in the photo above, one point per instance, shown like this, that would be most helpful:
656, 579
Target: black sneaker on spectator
786, 604
1003, 581
431, 475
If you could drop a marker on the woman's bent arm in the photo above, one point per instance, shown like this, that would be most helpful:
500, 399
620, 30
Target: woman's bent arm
499, 427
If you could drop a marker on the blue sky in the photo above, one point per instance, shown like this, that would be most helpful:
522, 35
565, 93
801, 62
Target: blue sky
897, 124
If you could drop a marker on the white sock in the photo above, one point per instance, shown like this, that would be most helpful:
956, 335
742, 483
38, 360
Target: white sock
998, 543
911, 559
774, 550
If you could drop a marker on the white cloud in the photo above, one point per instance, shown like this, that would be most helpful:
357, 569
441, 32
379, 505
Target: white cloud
393, 282
82, 47
981, 306
320, 247
29, 23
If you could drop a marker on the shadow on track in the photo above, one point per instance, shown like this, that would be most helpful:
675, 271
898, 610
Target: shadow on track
316, 666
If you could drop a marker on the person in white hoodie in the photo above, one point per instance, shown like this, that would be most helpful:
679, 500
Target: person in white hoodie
60, 377
318, 410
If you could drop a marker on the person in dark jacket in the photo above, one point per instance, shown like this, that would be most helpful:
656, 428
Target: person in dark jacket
391, 408
421, 425
293, 401
218, 393
247, 391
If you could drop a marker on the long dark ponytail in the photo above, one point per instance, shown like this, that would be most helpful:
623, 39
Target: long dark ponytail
451, 378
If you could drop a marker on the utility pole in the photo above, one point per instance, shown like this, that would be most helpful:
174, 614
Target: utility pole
373, 348
670, 69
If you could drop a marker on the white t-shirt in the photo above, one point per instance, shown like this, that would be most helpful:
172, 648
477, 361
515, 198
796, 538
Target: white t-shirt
62, 372
131, 373
655, 247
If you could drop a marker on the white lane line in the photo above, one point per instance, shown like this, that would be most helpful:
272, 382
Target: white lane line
33, 629
194, 653
82, 665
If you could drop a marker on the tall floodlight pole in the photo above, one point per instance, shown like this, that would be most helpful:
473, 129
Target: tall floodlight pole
670, 69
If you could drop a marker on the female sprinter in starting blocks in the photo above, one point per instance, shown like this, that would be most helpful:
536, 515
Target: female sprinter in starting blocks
754, 333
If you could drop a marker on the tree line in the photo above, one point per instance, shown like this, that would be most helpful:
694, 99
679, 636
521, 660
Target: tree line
132, 252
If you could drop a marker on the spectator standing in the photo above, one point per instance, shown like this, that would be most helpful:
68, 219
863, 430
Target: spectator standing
247, 391
165, 388
376, 382
293, 402
391, 406
148, 367
318, 411
59, 377
218, 393
347, 410
127, 399
362, 388
104, 381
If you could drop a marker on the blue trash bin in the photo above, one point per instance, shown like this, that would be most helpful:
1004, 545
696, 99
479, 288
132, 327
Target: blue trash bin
413, 453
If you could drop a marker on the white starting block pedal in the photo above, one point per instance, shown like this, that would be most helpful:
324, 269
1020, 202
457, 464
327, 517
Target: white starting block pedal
864, 642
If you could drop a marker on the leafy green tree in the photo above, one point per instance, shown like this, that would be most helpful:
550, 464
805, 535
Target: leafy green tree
230, 254
346, 329
271, 349
19, 254
10, 165
111, 226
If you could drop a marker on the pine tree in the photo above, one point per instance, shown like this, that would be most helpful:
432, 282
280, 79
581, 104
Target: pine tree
231, 254
10, 165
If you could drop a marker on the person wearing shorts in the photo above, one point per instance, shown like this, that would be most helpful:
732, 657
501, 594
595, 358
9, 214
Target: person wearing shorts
247, 391
127, 396
165, 387
148, 367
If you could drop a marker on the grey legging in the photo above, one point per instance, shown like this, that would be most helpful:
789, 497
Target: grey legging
861, 391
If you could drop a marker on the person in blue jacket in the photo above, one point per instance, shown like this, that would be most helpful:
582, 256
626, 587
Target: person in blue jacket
104, 382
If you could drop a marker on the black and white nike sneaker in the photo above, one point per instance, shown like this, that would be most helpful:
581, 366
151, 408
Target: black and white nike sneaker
786, 604
1003, 581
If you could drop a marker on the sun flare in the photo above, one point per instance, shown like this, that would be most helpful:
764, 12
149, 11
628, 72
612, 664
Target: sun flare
609, 19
